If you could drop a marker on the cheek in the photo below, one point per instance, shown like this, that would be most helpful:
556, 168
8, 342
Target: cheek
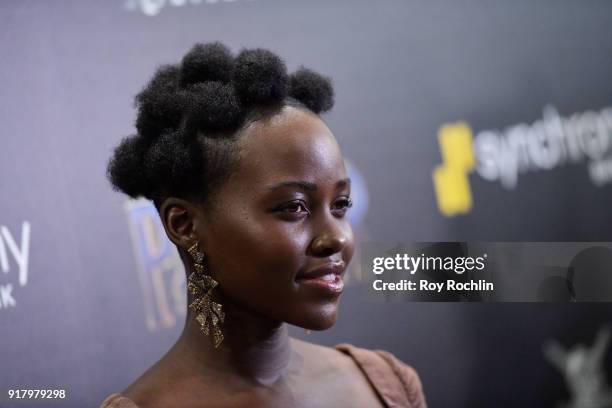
256, 261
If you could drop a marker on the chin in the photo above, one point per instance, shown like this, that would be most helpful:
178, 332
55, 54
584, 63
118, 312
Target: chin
321, 317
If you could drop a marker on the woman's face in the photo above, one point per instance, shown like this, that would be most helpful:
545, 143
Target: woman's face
279, 218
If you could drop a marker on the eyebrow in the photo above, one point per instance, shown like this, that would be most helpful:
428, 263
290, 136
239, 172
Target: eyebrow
306, 185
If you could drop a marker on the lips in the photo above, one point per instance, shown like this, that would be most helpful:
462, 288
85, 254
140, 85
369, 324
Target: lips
327, 271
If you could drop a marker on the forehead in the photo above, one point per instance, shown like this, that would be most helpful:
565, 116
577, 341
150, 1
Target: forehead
290, 145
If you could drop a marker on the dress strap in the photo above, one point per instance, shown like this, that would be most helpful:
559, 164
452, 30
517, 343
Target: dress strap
397, 384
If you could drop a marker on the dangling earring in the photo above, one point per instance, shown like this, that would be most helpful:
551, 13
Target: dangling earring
200, 285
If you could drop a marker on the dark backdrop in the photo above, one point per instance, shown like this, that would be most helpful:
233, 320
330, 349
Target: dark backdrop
100, 297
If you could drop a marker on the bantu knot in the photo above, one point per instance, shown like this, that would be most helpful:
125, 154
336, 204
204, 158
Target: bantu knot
260, 77
212, 107
126, 170
207, 62
170, 162
159, 105
312, 89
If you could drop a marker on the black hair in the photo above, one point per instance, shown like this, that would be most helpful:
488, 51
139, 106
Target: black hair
189, 115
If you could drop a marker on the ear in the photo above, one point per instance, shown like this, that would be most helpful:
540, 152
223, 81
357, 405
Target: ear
180, 219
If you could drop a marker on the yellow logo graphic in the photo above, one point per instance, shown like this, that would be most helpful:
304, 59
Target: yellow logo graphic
450, 179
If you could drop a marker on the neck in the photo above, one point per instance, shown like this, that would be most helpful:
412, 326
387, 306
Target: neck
254, 348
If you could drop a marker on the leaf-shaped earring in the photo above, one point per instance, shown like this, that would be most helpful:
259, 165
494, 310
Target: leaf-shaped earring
208, 312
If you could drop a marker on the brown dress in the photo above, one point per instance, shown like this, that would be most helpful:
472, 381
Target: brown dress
396, 383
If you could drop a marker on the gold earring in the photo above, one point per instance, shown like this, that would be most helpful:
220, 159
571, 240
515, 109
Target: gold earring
200, 285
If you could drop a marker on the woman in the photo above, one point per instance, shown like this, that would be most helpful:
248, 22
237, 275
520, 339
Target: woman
251, 187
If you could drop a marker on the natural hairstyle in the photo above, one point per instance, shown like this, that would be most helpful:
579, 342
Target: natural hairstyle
189, 116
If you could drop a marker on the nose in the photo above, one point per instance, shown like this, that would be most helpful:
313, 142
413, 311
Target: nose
332, 238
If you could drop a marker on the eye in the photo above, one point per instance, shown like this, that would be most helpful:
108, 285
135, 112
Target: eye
342, 205
294, 207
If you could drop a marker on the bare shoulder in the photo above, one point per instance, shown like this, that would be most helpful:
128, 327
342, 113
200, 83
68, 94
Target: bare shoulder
144, 390
156, 387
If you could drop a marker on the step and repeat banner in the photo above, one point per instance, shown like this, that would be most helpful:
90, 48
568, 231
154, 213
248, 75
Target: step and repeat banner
484, 125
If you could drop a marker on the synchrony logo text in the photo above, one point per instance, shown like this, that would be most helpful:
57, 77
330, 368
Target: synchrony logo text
501, 155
